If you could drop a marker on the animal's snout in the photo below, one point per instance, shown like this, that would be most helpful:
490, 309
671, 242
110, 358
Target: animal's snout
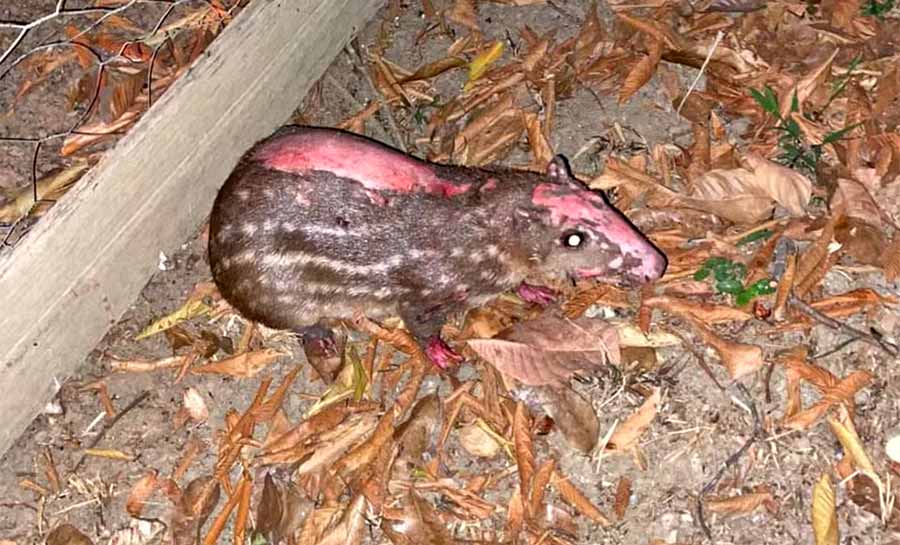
653, 266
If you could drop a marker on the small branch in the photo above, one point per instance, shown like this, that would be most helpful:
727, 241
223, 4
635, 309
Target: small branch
732, 460
134, 403
824, 319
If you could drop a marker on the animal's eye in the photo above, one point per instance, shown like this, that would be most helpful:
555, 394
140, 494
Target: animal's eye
573, 239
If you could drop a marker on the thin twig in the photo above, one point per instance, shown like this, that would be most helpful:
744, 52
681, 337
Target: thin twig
719, 36
824, 319
134, 403
732, 460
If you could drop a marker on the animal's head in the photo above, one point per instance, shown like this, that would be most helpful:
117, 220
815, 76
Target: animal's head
586, 236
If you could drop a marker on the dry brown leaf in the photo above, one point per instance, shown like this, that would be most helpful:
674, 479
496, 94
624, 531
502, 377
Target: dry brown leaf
489, 136
656, 29
891, 259
626, 436
435, 68
539, 484
738, 358
352, 527
417, 522
623, 496
550, 349
333, 444
742, 504
515, 513
575, 498
748, 194
573, 415
142, 489
477, 441
463, 13
49, 187
707, 312
524, 450
808, 84
282, 509
853, 446
813, 262
541, 152
65, 534
857, 202
785, 186
365, 453
824, 513
641, 72
245, 365
283, 448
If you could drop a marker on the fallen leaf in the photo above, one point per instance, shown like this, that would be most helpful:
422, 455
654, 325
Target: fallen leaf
824, 513
550, 349
66, 534
245, 365
482, 62
741, 504
626, 436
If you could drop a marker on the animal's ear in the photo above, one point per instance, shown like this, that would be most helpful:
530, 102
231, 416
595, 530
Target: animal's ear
558, 170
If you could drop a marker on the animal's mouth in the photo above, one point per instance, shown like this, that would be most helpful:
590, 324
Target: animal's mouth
609, 276
582, 274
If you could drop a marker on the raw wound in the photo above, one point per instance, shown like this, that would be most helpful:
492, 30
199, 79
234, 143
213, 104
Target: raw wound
376, 167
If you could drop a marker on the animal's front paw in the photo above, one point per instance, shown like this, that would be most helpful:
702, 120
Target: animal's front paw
440, 353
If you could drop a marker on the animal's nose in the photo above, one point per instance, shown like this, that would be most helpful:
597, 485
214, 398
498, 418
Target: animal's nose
654, 266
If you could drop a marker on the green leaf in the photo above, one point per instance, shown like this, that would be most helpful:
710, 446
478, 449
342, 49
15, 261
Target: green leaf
743, 298
731, 285
767, 100
701, 274
762, 234
838, 134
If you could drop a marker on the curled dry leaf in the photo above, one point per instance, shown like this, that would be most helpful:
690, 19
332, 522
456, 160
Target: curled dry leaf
195, 406
477, 441
707, 312
524, 449
550, 349
245, 365
141, 490
641, 72
352, 527
50, 187
854, 198
574, 497
418, 522
748, 194
742, 504
824, 513
738, 358
193, 508
626, 436
623, 496
573, 415
66, 534
282, 509
848, 438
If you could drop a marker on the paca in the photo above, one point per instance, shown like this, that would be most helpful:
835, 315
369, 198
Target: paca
318, 223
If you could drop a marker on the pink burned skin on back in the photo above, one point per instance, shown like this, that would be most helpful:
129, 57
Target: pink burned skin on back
375, 167
572, 206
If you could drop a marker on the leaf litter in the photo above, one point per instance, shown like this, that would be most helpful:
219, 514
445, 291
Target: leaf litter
377, 446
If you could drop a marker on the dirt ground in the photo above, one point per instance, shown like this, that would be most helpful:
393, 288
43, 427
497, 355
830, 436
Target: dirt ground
698, 426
